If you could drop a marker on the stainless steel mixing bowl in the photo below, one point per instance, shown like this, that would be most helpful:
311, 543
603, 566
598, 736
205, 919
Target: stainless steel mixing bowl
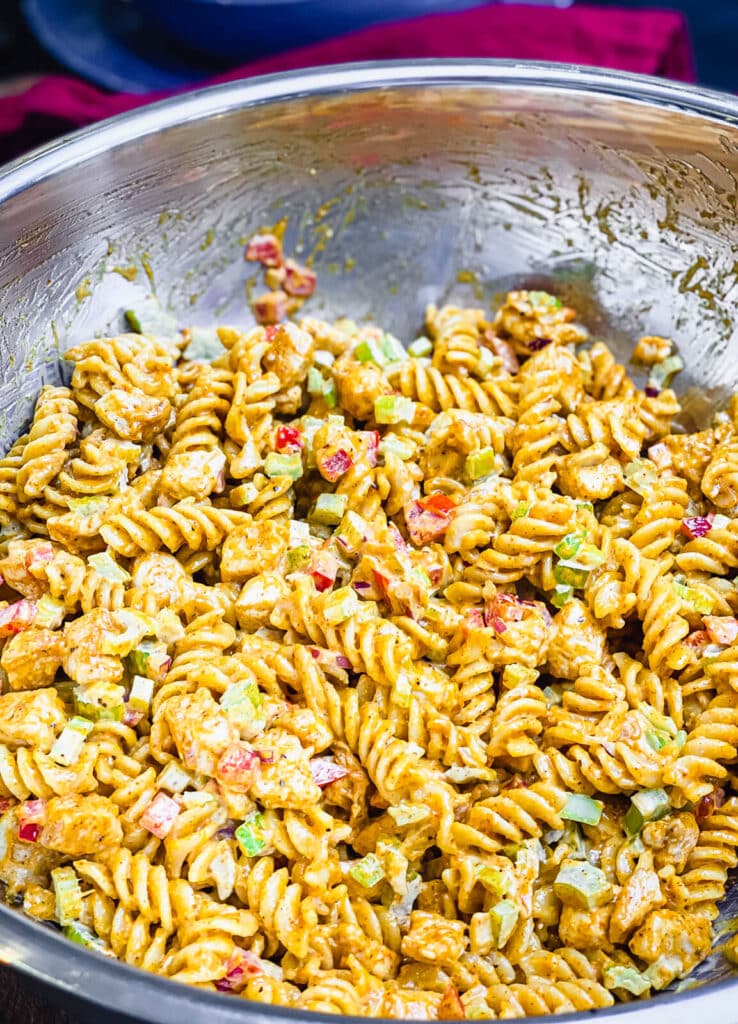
617, 191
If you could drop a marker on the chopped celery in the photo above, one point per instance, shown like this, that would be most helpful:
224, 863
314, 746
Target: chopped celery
521, 510
646, 805
174, 778
330, 394
581, 808
662, 373
88, 506
503, 917
485, 363
567, 576
570, 544
250, 835
328, 509
106, 566
244, 494
480, 463
243, 692
100, 702
299, 533
367, 871
580, 884
627, 978
402, 690
84, 936
518, 675
352, 531
321, 357
393, 445
67, 747
150, 318
142, 690
68, 894
315, 382
552, 695
699, 601
422, 346
283, 465
641, 477
299, 558
150, 659
681, 738
371, 350
393, 409
49, 612
656, 740
204, 344
340, 605
408, 814
543, 302
499, 883
561, 595
393, 348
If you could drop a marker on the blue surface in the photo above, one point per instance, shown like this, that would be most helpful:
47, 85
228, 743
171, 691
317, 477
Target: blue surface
110, 43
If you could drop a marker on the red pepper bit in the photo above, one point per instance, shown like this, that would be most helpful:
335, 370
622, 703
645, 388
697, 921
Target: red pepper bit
288, 439
264, 249
298, 280
271, 307
333, 467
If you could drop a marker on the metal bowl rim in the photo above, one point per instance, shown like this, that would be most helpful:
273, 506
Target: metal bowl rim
35, 950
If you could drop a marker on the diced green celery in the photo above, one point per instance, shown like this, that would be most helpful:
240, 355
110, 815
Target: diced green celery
250, 835
283, 465
485, 363
627, 978
570, 544
393, 445
662, 723
69, 743
402, 690
585, 506
68, 894
174, 778
561, 595
543, 302
84, 936
521, 510
518, 675
106, 566
352, 531
299, 558
393, 409
588, 557
88, 506
408, 814
244, 691
299, 533
422, 346
150, 318
479, 464
641, 477
340, 605
367, 871
393, 348
681, 738
699, 601
321, 357
150, 659
656, 740
580, 884
553, 696
662, 373
315, 381
371, 350
646, 805
328, 509
567, 576
49, 612
100, 702
242, 495
499, 883
142, 690
204, 344
581, 808
503, 917
330, 394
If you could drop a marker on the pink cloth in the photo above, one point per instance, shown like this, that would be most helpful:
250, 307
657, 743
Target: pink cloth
654, 42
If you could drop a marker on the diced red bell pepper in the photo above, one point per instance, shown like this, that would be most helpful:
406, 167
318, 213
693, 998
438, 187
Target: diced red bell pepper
441, 504
298, 280
38, 557
425, 524
695, 526
382, 581
270, 332
271, 307
324, 571
505, 607
451, 1007
16, 617
264, 249
325, 770
332, 467
237, 764
31, 818
242, 965
288, 439
160, 815
721, 629
700, 638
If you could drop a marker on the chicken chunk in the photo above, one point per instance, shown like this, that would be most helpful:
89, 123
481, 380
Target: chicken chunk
640, 894
195, 473
201, 731
575, 641
284, 778
31, 718
433, 939
254, 548
81, 825
23, 567
585, 929
257, 600
132, 415
162, 576
678, 941
290, 355
673, 838
84, 660
592, 474
31, 658
359, 385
